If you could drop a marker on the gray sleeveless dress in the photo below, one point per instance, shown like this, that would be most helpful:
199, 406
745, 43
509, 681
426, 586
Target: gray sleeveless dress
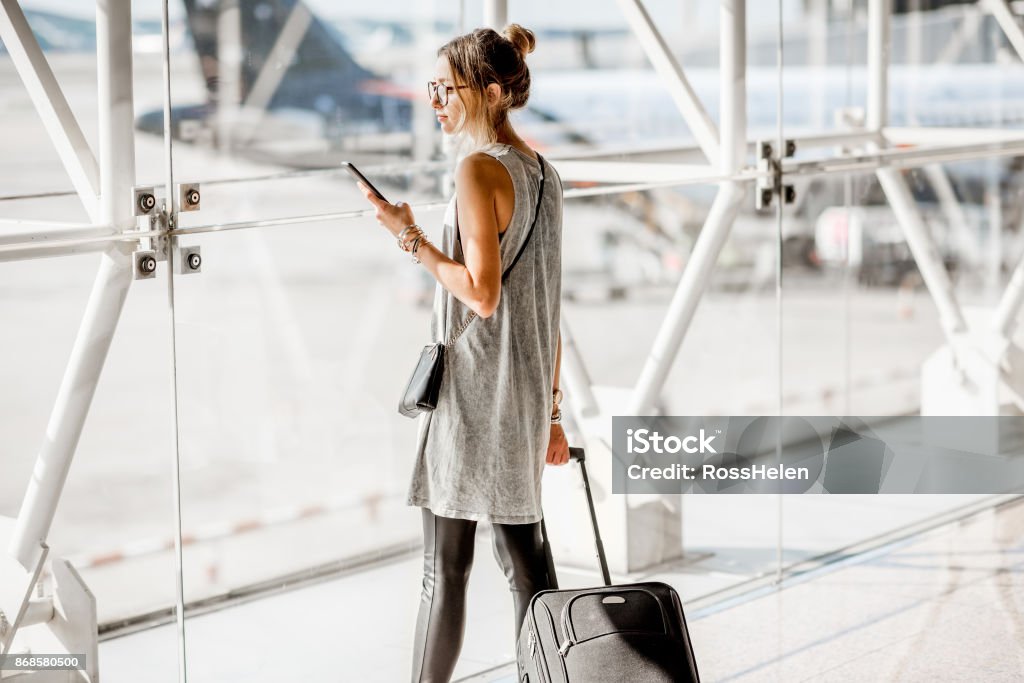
480, 454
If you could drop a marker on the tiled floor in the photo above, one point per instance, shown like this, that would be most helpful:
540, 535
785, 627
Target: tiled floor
944, 605
947, 606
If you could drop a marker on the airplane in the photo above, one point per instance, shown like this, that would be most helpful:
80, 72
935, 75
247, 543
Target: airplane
342, 110
575, 107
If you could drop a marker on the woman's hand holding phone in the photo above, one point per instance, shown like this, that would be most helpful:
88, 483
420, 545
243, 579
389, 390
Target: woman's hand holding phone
394, 217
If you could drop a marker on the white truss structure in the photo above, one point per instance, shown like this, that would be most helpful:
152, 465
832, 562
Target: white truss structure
973, 355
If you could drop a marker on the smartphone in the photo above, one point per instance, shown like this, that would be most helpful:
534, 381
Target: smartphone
354, 172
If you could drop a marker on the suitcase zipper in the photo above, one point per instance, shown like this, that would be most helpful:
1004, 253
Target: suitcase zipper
538, 661
570, 630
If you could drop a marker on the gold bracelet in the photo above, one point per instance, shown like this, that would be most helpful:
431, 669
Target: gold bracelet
401, 235
408, 240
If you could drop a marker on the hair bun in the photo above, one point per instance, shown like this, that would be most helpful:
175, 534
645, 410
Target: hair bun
522, 38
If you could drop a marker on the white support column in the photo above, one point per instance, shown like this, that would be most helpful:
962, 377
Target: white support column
229, 72
424, 125
1008, 23
646, 530
817, 58
249, 115
879, 12
57, 240
964, 36
954, 212
280, 55
117, 176
686, 298
733, 78
574, 373
720, 217
928, 260
665, 63
53, 109
1005, 319
116, 112
496, 14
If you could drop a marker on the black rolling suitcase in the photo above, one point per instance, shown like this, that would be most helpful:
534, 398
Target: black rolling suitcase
607, 634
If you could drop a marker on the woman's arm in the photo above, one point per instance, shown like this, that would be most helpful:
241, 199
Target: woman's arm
558, 365
478, 180
558, 446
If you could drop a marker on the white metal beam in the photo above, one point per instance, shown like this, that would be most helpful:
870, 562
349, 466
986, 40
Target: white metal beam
631, 172
280, 56
72, 405
667, 66
229, 71
577, 379
33, 231
116, 112
48, 99
103, 310
900, 198
733, 77
686, 297
1008, 23
1004, 321
879, 13
953, 211
949, 136
55, 240
965, 34
720, 217
496, 14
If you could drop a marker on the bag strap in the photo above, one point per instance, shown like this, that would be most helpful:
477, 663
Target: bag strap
536, 214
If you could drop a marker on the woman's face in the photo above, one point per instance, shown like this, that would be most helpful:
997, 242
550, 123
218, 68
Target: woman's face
451, 113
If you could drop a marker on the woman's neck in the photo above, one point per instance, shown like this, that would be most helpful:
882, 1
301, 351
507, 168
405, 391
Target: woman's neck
506, 136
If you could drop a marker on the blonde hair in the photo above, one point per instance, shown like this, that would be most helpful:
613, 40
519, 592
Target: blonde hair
483, 57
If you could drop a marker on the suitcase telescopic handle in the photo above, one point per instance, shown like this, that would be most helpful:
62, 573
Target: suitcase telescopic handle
578, 455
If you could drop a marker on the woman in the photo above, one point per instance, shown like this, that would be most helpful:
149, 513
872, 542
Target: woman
481, 452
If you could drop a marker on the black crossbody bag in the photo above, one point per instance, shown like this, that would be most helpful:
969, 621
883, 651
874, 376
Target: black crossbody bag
425, 384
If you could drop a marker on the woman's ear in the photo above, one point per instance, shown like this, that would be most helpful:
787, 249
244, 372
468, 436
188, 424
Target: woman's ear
493, 94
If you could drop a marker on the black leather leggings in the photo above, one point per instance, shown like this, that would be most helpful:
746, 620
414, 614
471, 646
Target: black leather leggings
447, 558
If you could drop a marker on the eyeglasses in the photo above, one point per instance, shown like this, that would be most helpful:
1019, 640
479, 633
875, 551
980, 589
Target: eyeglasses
441, 91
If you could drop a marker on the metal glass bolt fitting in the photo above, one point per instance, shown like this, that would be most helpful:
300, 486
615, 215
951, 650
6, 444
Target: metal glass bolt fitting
188, 197
143, 201
769, 184
145, 264
188, 260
